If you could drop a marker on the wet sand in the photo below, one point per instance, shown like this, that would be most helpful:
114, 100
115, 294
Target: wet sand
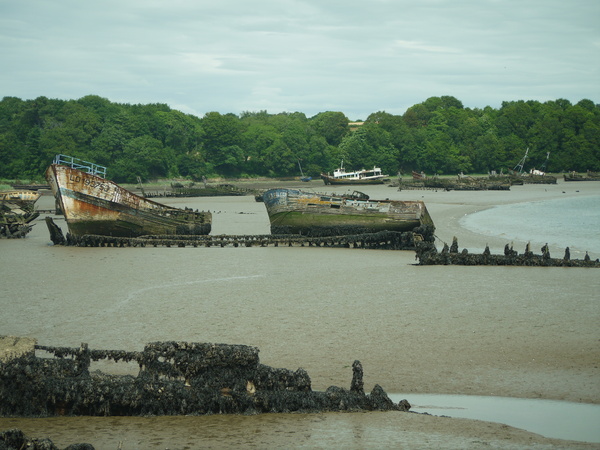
501, 331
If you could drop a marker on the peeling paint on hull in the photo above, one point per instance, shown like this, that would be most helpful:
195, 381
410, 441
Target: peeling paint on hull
94, 205
299, 212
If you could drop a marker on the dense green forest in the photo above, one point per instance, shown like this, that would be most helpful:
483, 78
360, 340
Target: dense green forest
154, 141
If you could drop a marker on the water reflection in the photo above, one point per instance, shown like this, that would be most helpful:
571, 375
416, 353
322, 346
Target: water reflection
550, 418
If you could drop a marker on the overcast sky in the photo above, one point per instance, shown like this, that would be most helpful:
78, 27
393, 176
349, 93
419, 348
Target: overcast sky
311, 56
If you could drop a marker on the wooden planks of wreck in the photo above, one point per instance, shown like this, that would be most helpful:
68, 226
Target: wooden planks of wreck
384, 240
175, 378
427, 254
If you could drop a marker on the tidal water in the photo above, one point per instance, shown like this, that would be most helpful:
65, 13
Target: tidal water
319, 309
564, 222
550, 418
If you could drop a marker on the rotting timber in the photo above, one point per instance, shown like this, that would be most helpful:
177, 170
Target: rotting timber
383, 240
175, 378
427, 254
17, 212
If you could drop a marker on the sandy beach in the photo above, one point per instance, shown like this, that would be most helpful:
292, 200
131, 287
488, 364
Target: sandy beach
491, 331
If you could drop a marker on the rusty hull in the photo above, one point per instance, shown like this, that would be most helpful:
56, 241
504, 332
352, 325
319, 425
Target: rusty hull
94, 205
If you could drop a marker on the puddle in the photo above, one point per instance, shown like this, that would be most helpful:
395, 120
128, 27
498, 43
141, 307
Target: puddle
549, 418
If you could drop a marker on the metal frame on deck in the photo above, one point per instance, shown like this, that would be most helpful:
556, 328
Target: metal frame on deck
80, 164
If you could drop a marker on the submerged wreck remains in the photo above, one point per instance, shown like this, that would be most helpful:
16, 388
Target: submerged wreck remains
427, 254
588, 176
293, 211
92, 204
17, 211
175, 378
461, 183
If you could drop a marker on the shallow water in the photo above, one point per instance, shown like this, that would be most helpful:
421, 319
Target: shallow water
550, 418
560, 222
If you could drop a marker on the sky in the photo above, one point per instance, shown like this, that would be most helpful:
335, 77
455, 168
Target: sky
309, 56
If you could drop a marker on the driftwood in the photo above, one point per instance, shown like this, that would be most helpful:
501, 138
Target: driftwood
175, 378
427, 254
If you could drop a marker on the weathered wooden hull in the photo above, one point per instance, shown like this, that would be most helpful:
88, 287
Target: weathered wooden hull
94, 205
20, 195
298, 212
328, 179
581, 178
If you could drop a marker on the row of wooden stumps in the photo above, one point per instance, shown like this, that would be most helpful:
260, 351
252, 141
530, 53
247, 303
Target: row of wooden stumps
427, 254
384, 240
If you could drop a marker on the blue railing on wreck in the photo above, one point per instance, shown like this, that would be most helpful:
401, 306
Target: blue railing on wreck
80, 164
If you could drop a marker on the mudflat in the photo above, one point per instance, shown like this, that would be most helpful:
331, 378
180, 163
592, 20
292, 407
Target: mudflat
494, 331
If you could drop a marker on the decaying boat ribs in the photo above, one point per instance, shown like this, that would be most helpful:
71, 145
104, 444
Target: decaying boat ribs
383, 240
427, 254
175, 378
17, 212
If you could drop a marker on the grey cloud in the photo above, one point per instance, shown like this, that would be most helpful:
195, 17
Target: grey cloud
308, 56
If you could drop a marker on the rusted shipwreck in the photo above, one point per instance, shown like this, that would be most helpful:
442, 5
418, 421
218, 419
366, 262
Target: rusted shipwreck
175, 378
427, 254
92, 204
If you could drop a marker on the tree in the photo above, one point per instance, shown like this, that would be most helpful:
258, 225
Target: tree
333, 126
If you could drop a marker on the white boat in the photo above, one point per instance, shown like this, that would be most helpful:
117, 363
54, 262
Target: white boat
364, 176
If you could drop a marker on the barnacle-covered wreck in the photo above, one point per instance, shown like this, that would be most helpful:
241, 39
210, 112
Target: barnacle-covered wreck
175, 378
427, 254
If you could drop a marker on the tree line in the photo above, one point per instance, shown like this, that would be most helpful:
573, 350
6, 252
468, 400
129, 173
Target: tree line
153, 141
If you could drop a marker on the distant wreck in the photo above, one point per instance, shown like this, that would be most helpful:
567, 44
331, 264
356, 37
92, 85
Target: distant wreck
427, 254
175, 378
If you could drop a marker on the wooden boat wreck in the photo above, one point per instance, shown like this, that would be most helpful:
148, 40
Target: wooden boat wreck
535, 176
175, 378
588, 176
358, 177
220, 190
17, 211
92, 204
427, 254
293, 211
462, 183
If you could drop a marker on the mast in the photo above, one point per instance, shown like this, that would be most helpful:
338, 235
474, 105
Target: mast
301, 173
543, 168
522, 162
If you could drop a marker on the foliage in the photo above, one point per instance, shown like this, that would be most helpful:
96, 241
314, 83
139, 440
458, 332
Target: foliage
153, 141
